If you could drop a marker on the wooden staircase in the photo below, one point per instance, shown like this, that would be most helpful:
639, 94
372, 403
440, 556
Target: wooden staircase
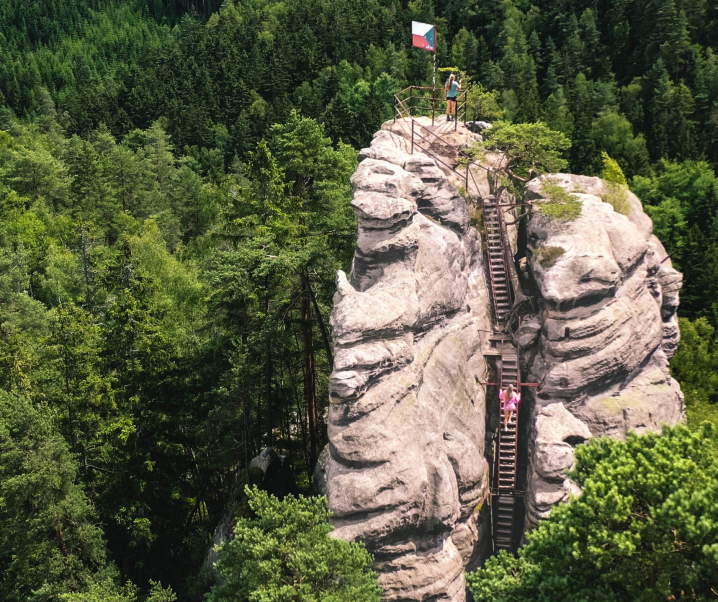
504, 511
498, 272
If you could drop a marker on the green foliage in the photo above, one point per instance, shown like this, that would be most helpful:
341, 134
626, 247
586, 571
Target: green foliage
644, 527
695, 364
559, 204
50, 542
477, 219
174, 205
682, 200
613, 133
285, 553
483, 104
617, 196
527, 147
139, 307
108, 591
616, 193
612, 171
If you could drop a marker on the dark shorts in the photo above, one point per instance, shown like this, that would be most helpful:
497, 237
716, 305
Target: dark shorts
451, 98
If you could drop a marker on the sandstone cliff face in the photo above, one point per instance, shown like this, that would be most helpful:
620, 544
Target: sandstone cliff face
601, 341
404, 471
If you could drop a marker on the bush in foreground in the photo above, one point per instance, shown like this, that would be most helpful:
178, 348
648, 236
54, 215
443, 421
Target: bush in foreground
644, 529
285, 554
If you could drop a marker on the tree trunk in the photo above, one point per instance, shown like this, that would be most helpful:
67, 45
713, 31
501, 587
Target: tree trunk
301, 414
268, 381
322, 327
310, 389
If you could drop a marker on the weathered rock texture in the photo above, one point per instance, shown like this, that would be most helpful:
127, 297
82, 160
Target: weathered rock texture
602, 338
404, 471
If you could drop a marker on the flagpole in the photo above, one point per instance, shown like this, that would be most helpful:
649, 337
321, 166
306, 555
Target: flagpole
433, 81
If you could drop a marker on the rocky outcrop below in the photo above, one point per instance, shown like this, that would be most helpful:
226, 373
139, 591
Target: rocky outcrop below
605, 329
404, 471
269, 472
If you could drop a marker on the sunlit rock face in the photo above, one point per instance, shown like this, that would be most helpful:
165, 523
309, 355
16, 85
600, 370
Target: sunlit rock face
404, 471
605, 329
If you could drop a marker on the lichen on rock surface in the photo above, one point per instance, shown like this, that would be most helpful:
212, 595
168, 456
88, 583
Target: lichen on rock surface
605, 330
404, 471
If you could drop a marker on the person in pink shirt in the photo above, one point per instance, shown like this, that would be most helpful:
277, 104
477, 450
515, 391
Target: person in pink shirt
510, 400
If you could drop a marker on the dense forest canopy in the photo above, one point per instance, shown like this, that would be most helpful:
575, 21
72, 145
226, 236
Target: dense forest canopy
174, 205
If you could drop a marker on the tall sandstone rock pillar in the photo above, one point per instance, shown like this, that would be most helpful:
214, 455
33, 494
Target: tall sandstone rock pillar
606, 326
404, 471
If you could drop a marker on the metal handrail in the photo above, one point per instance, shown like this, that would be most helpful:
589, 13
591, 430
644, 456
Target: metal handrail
506, 248
414, 134
461, 100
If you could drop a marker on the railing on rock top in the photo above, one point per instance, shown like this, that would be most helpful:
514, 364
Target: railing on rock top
425, 100
424, 138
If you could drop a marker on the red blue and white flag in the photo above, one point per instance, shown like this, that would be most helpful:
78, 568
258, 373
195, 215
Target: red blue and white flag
423, 36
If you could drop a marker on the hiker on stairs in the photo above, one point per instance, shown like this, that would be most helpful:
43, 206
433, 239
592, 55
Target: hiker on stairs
510, 400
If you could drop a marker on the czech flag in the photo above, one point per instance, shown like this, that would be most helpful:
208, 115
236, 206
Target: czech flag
423, 36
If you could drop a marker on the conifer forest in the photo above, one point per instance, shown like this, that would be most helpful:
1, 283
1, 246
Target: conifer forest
174, 208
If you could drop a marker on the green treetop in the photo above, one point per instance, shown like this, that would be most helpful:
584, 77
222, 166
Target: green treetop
285, 553
526, 148
645, 528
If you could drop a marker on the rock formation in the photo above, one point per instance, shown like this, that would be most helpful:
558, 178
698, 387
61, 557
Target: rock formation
603, 335
404, 471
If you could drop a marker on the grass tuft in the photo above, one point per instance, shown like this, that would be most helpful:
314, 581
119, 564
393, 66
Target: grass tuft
548, 256
477, 219
617, 196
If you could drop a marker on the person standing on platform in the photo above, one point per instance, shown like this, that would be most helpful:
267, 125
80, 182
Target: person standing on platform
451, 88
